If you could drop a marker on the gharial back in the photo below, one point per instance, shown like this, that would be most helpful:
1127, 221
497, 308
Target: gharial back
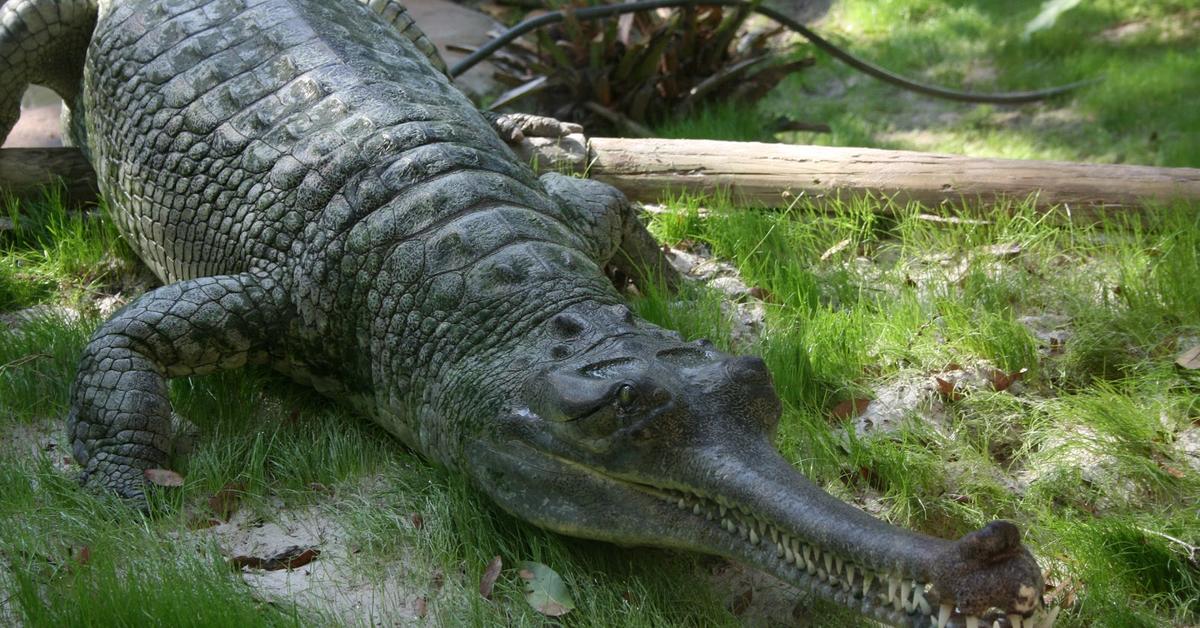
308, 140
234, 134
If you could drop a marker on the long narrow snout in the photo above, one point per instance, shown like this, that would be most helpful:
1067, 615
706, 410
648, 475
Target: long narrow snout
776, 519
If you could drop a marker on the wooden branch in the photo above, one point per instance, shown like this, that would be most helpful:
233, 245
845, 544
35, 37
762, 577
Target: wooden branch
775, 174
26, 172
767, 174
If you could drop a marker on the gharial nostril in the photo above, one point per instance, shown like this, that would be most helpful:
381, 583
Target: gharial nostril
748, 369
997, 538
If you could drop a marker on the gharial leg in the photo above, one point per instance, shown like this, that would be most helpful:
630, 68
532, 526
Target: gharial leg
119, 424
42, 42
610, 226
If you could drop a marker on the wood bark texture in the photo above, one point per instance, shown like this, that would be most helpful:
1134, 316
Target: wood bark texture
776, 174
26, 172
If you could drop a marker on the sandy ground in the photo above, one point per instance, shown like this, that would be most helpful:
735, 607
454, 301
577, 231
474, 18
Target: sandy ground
39, 123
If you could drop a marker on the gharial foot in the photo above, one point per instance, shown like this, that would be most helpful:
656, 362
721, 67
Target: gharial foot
514, 127
121, 423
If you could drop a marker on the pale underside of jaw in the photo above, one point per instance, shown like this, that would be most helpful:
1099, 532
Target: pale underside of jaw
888, 597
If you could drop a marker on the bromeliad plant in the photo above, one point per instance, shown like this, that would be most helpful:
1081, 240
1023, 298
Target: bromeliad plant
639, 69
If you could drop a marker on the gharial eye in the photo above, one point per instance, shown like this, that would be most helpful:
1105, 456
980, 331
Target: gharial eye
626, 395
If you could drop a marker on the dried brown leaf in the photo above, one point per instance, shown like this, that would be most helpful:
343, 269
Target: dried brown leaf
84, 555
947, 389
488, 582
1001, 380
1189, 359
850, 408
1171, 471
225, 501
293, 557
163, 477
418, 520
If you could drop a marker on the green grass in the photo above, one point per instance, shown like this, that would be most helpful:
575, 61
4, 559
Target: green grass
50, 252
132, 572
1082, 455
1142, 112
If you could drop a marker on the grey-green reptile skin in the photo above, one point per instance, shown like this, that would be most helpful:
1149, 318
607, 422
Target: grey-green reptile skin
315, 195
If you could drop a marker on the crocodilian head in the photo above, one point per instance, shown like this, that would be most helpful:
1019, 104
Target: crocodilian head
640, 439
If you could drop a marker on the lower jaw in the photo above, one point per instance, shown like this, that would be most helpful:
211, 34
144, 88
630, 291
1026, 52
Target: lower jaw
886, 597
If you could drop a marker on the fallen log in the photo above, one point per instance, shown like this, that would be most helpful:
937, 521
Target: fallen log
26, 173
770, 175
776, 174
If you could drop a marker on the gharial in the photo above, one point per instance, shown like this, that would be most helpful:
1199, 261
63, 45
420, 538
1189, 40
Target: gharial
315, 195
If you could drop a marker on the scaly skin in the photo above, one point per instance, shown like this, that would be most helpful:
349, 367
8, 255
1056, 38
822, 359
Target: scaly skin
318, 197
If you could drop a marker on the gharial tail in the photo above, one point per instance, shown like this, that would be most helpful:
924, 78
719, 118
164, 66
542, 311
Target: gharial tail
42, 42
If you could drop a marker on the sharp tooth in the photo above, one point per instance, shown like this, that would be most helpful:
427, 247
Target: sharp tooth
828, 562
1015, 620
728, 525
779, 550
741, 527
753, 537
791, 558
868, 577
837, 564
850, 576
906, 596
972, 622
724, 509
774, 534
696, 509
809, 564
682, 503
944, 615
919, 598
893, 584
